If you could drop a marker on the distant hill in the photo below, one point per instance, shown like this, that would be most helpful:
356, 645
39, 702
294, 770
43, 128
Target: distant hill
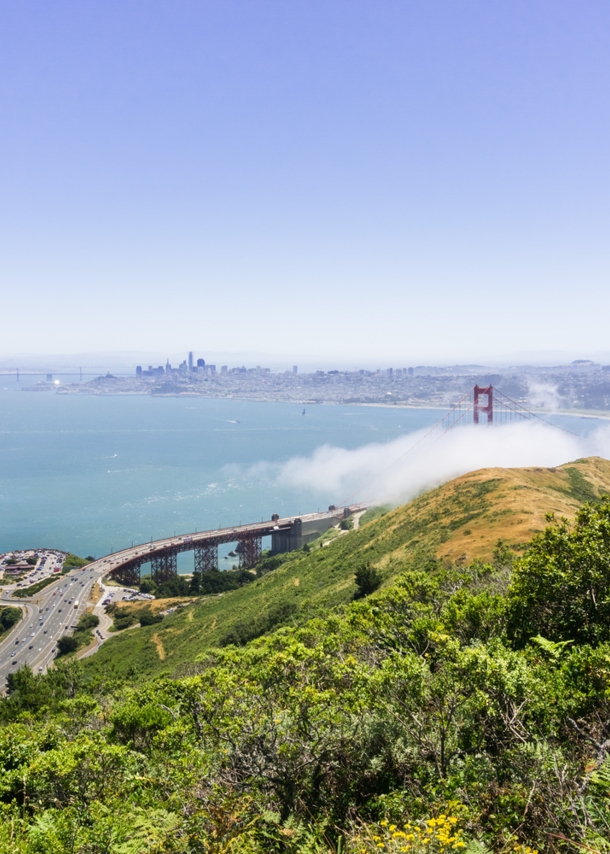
457, 522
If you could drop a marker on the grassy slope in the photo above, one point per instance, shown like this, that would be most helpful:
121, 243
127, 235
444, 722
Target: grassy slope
458, 521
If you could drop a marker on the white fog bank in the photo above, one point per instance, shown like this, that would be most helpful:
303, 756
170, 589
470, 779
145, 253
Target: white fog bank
375, 474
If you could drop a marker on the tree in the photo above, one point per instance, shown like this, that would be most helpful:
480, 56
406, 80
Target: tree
368, 579
147, 585
66, 644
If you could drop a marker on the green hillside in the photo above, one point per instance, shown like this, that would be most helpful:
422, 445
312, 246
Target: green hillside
464, 705
457, 522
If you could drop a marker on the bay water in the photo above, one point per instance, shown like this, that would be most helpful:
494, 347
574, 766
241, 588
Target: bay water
93, 474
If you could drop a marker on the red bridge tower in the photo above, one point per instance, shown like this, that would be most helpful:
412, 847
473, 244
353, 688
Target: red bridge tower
485, 405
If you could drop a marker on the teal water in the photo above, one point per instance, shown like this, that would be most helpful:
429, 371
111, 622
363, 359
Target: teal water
94, 474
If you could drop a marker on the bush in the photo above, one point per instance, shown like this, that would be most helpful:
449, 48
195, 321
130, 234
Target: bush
269, 563
123, 617
8, 618
88, 621
74, 560
123, 622
217, 581
560, 588
147, 618
243, 632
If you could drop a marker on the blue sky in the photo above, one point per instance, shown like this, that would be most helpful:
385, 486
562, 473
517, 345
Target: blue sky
374, 180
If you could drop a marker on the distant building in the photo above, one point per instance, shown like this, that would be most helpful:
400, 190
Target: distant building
151, 372
139, 371
224, 369
201, 363
295, 369
190, 361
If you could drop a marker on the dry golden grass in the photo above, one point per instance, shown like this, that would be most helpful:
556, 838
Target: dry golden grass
96, 595
464, 519
520, 502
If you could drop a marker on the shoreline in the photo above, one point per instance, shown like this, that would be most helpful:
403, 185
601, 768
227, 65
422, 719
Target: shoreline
572, 413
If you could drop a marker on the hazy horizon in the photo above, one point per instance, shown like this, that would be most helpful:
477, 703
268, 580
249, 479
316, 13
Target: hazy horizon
72, 362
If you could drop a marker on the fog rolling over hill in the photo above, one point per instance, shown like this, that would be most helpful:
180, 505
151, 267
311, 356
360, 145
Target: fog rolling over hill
457, 522
398, 470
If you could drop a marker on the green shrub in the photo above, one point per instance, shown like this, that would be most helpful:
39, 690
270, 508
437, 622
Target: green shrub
560, 588
147, 618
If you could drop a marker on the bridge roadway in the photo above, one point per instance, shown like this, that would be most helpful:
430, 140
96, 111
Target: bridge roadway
287, 534
51, 613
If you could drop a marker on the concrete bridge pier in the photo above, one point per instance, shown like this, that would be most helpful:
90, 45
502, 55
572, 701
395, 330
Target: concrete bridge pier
206, 557
289, 539
164, 567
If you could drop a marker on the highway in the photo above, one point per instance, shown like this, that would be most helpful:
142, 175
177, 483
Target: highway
47, 616
51, 613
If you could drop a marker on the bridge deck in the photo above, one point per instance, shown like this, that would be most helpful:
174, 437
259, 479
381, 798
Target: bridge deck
135, 556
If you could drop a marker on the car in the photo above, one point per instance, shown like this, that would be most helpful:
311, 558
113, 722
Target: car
14, 662
40, 668
45, 631
31, 646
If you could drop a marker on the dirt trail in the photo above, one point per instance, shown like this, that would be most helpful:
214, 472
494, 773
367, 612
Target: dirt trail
159, 644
